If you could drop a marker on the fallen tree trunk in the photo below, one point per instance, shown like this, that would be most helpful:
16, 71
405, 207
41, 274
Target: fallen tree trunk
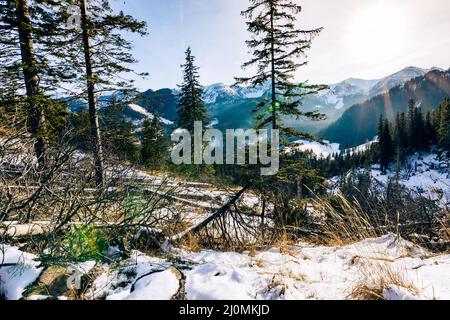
202, 224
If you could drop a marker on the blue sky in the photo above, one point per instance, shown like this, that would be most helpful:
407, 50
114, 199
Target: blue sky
362, 38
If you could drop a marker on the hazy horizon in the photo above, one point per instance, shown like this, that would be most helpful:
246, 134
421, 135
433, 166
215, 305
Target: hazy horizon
364, 39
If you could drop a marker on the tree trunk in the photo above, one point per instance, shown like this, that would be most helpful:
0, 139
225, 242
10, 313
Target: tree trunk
300, 189
36, 116
202, 224
93, 114
272, 58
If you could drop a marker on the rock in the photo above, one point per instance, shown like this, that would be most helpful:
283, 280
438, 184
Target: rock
148, 239
57, 282
165, 284
52, 282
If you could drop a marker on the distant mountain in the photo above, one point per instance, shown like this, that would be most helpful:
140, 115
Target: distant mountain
359, 123
333, 102
398, 78
162, 102
231, 106
222, 93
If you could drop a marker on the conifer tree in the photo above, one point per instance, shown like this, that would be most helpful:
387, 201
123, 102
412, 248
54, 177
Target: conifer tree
26, 28
277, 45
100, 55
412, 127
190, 107
400, 139
154, 143
117, 132
385, 143
444, 126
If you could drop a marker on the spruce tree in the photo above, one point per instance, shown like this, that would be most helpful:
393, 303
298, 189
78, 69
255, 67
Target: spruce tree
444, 126
385, 143
117, 132
400, 139
100, 55
412, 128
24, 64
277, 45
154, 144
190, 106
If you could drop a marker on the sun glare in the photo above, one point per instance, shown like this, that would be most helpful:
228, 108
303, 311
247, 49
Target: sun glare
378, 32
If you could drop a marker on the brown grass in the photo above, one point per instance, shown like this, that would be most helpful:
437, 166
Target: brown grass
376, 278
191, 243
284, 243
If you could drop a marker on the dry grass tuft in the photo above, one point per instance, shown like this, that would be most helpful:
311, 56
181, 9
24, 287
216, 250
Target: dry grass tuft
191, 243
376, 278
284, 243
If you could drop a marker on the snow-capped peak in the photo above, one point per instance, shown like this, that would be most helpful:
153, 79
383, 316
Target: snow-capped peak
220, 91
397, 79
145, 113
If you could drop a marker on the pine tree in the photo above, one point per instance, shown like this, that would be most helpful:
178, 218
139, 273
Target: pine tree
190, 107
400, 139
100, 56
421, 136
430, 129
154, 143
117, 132
444, 126
412, 128
385, 143
277, 44
20, 65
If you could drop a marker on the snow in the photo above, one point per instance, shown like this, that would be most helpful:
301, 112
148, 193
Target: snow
157, 286
303, 271
14, 279
214, 92
141, 110
219, 90
321, 150
310, 272
362, 148
427, 175
396, 79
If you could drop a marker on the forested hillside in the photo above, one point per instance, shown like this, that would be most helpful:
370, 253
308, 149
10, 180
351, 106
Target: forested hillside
359, 123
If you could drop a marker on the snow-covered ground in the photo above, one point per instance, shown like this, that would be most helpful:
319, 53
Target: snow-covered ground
301, 271
321, 150
14, 279
141, 110
426, 175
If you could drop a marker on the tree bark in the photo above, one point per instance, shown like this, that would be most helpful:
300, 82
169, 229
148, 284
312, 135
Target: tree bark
36, 116
201, 225
93, 114
272, 58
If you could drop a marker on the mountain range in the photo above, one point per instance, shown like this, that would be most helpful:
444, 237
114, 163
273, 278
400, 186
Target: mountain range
351, 106
359, 122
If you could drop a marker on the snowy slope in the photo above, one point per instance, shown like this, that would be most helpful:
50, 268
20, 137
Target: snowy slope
426, 174
220, 92
398, 78
145, 113
301, 272
321, 150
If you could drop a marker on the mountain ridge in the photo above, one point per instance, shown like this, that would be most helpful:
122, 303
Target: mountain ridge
359, 122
